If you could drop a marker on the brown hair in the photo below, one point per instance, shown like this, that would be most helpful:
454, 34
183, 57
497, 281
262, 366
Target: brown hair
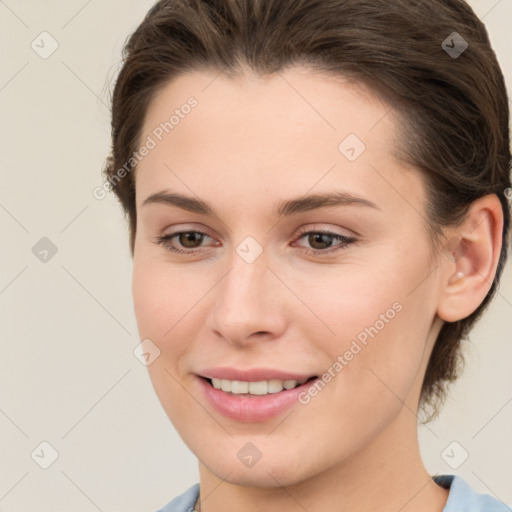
453, 108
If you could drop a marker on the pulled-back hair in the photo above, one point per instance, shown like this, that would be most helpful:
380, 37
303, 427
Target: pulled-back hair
453, 109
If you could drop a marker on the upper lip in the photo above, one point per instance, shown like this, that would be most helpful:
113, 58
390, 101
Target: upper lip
252, 374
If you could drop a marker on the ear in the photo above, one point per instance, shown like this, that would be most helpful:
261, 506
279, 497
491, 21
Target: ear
471, 256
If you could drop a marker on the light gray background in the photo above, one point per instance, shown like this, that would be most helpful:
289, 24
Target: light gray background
68, 373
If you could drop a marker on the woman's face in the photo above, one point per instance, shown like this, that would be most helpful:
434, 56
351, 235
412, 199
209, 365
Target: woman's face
283, 285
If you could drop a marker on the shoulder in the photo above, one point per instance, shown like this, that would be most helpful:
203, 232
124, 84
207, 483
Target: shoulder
463, 498
184, 502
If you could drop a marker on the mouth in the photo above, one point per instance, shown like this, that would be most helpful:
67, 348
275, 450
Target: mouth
253, 400
256, 388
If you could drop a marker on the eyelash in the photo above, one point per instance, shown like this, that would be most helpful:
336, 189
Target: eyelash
345, 242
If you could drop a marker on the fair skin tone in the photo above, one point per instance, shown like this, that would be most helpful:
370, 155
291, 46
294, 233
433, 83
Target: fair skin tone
248, 145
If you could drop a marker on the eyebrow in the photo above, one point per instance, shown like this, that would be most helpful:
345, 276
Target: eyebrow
284, 208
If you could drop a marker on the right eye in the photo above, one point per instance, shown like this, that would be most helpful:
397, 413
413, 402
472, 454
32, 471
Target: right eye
187, 239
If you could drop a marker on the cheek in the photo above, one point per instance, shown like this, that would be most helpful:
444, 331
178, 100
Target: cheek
169, 304
162, 297
150, 311
160, 308
373, 325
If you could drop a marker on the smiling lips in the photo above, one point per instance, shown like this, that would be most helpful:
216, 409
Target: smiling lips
262, 387
252, 395
256, 381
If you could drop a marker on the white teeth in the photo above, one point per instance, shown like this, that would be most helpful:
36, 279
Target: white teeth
238, 386
275, 386
289, 384
263, 387
257, 388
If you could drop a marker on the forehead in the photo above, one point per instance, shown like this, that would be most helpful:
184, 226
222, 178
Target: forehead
296, 99
291, 131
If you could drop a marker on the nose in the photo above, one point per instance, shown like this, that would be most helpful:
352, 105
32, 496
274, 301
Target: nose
249, 303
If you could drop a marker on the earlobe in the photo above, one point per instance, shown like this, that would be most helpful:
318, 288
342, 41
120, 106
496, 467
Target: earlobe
472, 255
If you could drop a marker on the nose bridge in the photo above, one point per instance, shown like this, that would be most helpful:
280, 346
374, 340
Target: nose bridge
244, 303
244, 284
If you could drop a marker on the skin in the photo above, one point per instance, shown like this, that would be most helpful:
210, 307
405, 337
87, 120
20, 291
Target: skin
250, 143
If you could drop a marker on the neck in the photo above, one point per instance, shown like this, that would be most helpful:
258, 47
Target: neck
387, 475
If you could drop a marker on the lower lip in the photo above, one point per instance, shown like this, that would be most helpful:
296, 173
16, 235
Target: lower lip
252, 409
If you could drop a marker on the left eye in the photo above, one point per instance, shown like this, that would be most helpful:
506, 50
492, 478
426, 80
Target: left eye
324, 239
190, 240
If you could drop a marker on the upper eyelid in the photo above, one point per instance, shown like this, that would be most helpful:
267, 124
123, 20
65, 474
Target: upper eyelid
319, 229
299, 233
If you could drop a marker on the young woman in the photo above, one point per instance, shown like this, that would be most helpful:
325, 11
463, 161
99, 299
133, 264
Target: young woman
317, 198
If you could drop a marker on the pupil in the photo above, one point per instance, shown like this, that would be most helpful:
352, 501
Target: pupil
185, 238
322, 238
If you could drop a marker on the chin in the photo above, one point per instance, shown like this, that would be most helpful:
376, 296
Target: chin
267, 475
283, 466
